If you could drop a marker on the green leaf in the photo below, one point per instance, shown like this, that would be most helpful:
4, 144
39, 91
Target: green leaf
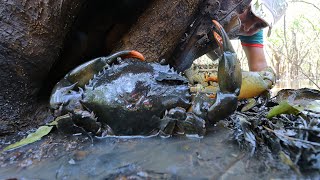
287, 160
283, 108
251, 103
41, 131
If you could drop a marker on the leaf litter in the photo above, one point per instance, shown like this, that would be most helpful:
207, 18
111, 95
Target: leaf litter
288, 125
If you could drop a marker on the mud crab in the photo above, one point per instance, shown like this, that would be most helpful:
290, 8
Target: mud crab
120, 95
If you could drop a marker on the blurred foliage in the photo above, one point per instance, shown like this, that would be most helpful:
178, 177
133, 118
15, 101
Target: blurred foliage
294, 44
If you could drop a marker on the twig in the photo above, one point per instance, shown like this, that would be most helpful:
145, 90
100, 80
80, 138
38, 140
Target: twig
307, 3
298, 156
207, 70
285, 118
291, 138
301, 70
304, 129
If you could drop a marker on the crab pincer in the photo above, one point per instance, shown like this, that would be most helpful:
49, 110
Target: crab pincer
81, 75
229, 78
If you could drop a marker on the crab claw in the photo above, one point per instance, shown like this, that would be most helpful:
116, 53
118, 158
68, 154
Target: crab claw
229, 78
81, 75
60, 93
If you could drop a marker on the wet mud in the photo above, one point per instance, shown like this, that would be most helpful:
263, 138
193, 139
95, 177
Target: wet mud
215, 156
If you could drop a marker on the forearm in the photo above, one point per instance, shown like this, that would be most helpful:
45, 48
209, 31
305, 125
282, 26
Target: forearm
256, 58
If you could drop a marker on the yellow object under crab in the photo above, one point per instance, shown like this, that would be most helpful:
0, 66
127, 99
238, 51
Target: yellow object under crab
253, 83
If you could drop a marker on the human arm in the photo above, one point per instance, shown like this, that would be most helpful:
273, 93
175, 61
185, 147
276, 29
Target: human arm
256, 58
253, 48
264, 77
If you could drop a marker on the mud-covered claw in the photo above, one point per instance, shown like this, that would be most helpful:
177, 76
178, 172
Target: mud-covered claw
229, 69
81, 75
61, 94
78, 122
224, 106
229, 78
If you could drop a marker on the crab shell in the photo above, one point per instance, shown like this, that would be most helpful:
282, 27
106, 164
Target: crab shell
131, 96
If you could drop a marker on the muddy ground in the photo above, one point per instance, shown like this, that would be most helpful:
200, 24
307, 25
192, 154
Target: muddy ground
215, 156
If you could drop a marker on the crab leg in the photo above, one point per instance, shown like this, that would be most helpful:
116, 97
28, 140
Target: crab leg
229, 78
82, 74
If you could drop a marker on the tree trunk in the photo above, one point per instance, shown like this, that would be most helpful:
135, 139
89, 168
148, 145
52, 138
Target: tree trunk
31, 37
174, 30
160, 28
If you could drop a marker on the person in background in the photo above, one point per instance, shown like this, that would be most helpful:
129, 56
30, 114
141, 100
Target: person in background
259, 15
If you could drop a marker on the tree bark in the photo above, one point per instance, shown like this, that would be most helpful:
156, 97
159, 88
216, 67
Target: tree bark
160, 28
31, 37
166, 29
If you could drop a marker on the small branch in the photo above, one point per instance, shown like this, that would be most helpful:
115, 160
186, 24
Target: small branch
301, 70
306, 3
291, 138
304, 129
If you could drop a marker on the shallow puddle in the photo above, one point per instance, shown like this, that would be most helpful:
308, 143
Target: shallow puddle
213, 157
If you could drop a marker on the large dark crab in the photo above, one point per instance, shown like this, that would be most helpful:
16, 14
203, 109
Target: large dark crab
120, 95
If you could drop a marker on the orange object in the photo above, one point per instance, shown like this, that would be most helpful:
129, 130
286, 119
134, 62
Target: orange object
212, 96
217, 37
135, 54
210, 78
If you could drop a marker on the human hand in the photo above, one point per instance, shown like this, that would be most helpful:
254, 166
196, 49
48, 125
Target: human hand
255, 83
268, 75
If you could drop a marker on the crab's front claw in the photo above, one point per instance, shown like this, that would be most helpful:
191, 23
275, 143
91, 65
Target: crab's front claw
229, 78
83, 73
78, 122
229, 69
62, 93
67, 89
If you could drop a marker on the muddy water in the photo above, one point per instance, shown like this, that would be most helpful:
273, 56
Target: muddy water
213, 157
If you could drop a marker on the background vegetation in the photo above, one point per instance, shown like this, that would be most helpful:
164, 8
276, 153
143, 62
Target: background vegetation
293, 47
